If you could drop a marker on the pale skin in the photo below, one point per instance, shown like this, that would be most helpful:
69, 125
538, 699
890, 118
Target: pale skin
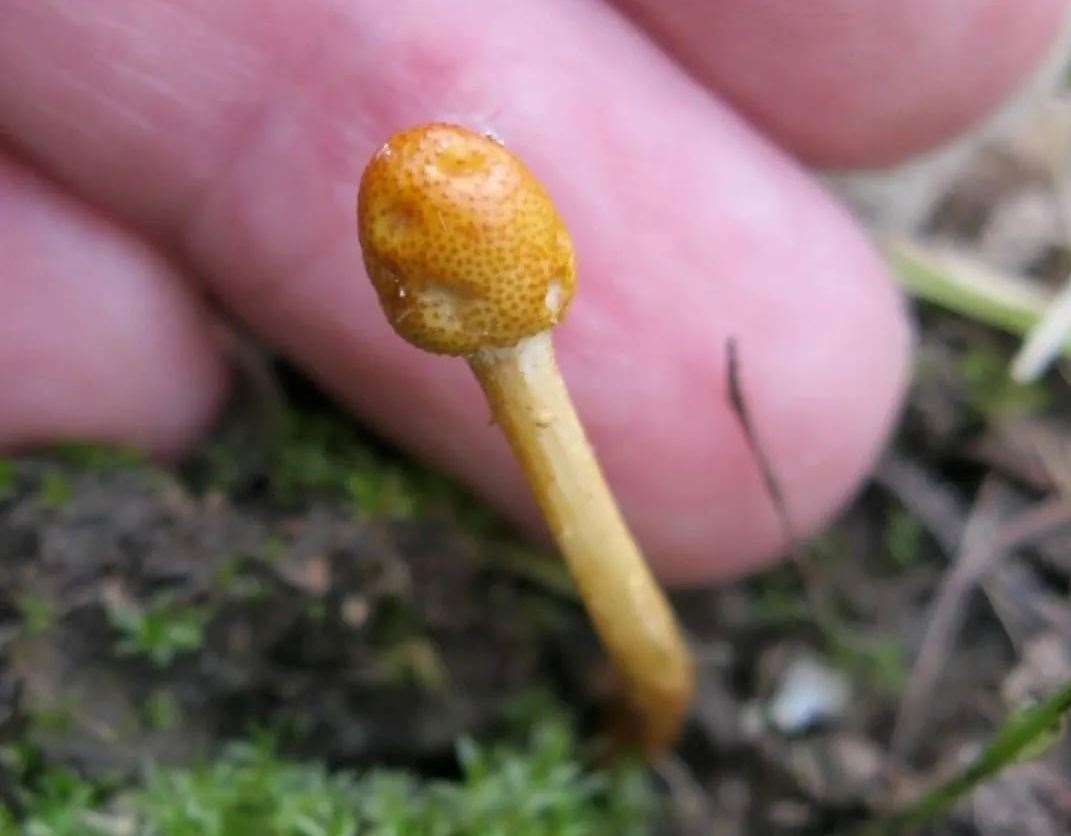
168, 166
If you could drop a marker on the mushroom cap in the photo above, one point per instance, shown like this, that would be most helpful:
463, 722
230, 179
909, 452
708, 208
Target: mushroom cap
461, 242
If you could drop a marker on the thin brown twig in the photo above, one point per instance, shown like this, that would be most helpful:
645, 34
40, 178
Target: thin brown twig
986, 539
931, 502
690, 803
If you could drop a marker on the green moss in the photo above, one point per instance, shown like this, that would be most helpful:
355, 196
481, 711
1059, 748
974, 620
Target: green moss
98, 458
237, 580
7, 479
160, 631
537, 785
55, 490
162, 710
880, 662
320, 453
414, 662
903, 538
36, 612
62, 804
273, 550
56, 718
990, 390
384, 492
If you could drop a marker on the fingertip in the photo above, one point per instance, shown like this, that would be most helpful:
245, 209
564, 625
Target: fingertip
101, 339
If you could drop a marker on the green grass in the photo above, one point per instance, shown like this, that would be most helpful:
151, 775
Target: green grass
1025, 734
538, 785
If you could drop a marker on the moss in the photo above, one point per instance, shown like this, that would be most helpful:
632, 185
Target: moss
414, 662
238, 580
160, 631
902, 537
7, 479
55, 490
321, 454
162, 710
98, 458
990, 390
36, 612
536, 784
62, 804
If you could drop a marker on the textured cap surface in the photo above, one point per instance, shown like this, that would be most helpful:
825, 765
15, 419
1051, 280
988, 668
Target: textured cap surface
462, 244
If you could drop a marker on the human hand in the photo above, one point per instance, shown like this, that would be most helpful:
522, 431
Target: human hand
166, 165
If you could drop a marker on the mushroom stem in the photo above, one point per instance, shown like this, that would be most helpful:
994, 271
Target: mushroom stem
532, 406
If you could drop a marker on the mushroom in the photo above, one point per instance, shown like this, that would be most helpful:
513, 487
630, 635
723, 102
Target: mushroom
469, 257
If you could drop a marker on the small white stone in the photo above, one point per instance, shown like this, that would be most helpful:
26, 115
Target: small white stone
810, 693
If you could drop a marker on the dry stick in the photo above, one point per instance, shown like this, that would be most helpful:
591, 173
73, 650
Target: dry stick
692, 811
927, 499
469, 257
985, 540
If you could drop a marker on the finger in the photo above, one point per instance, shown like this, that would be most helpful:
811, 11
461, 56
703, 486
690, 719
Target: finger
849, 83
98, 339
238, 131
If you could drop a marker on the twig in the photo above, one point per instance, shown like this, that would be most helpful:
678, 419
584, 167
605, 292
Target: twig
693, 813
985, 540
931, 502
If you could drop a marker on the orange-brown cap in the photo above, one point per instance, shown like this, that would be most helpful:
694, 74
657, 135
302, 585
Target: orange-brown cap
462, 244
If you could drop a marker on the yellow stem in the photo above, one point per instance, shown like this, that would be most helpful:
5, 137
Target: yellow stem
531, 404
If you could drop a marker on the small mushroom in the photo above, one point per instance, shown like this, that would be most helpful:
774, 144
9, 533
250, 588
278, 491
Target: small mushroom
469, 257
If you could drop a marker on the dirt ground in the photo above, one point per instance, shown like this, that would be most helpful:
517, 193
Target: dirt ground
299, 575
